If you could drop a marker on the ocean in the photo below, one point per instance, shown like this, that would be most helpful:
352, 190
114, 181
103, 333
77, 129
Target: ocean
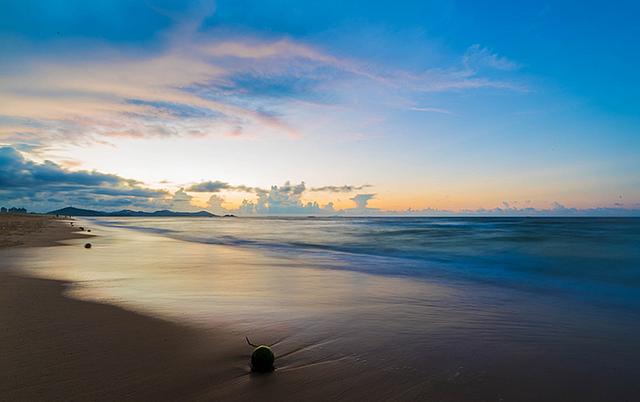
600, 255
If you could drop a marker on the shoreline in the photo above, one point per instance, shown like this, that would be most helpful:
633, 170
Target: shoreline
55, 347
147, 317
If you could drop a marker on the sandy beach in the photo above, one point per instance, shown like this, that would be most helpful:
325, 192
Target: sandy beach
36, 231
55, 348
148, 316
58, 348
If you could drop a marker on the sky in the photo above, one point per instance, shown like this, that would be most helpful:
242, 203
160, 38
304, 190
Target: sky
310, 108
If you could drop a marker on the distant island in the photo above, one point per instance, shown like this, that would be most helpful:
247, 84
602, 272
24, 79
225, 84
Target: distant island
72, 211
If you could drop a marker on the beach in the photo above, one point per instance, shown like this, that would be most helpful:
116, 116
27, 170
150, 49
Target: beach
56, 348
156, 311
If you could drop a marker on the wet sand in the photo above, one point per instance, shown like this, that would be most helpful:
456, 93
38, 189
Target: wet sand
59, 349
55, 348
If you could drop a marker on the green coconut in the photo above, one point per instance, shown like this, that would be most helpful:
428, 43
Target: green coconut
262, 358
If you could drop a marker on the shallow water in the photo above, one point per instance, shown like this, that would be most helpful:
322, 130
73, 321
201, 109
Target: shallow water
599, 256
526, 309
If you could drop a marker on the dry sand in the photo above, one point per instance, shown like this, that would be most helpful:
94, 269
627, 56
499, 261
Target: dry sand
35, 230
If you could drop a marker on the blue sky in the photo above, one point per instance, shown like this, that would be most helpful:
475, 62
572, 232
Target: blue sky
389, 107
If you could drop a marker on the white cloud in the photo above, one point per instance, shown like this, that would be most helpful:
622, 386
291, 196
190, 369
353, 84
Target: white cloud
362, 200
181, 201
214, 205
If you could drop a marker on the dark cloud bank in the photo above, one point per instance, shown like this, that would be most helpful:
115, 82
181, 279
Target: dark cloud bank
46, 186
40, 186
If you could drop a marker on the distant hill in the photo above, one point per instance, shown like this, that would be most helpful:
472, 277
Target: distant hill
71, 211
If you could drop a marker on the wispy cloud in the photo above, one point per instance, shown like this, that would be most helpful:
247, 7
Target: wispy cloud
430, 110
217, 186
477, 57
203, 85
339, 189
